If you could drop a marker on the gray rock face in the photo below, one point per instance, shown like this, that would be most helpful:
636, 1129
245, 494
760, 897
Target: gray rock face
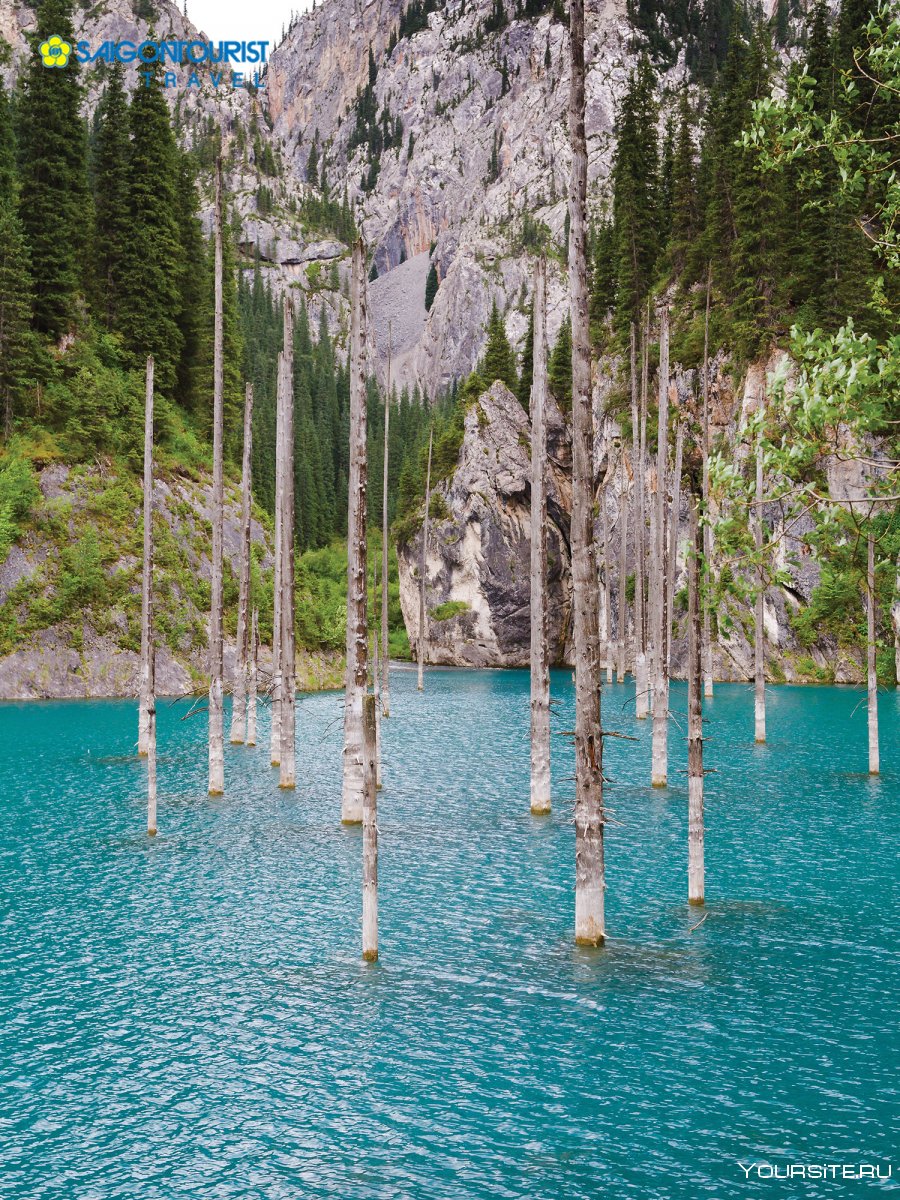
479, 552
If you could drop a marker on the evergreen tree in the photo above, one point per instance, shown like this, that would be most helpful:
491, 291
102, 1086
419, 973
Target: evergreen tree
498, 361
685, 223
636, 195
111, 198
8, 174
15, 314
559, 369
526, 375
190, 284
602, 298
431, 287
53, 205
150, 300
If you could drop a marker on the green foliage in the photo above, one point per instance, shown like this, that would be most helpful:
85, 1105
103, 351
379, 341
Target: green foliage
431, 287
18, 493
559, 371
111, 190
498, 361
448, 610
17, 346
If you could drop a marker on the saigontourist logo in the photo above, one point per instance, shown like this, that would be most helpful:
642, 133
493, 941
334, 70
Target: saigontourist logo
55, 51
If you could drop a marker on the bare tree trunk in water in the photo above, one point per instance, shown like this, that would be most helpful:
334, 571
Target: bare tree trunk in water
423, 571
151, 748
146, 691
370, 837
695, 717
242, 665
252, 678
707, 528
385, 591
871, 675
637, 512
672, 563
642, 677
376, 680
216, 715
540, 652
277, 588
288, 758
353, 792
622, 608
759, 650
590, 884
605, 613
660, 751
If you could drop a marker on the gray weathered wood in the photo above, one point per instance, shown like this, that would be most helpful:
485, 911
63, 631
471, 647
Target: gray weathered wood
216, 713
660, 752
871, 674
641, 674
370, 837
242, 656
287, 777
695, 716
145, 702
707, 527
590, 927
423, 572
540, 650
252, 679
622, 598
759, 646
385, 591
277, 587
353, 791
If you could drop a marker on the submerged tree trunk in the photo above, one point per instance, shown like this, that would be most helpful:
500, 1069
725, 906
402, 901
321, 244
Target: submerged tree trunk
145, 702
590, 884
660, 750
641, 674
423, 571
216, 715
605, 612
242, 663
252, 679
277, 589
376, 692
695, 718
151, 746
707, 527
385, 592
287, 760
871, 674
540, 652
370, 837
353, 792
672, 560
622, 607
759, 651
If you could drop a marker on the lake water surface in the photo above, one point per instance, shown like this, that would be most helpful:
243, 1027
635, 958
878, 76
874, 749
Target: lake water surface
189, 1016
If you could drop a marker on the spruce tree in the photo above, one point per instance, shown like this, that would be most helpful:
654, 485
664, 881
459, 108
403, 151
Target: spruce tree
602, 298
150, 299
559, 370
111, 200
15, 314
8, 173
498, 361
636, 192
684, 224
431, 287
526, 375
53, 203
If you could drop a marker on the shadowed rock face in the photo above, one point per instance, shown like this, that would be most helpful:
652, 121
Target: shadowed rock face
479, 553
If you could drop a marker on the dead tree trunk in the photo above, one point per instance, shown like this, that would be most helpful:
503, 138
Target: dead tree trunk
759, 651
287, 759
423, 571
637, 511
242, 664
871, 674
376, 692
695, 717
146, 695
252, 679
642, 679
277, 588
707, 527
540, 652
370, 837
622, 607
353, 792
589, 817
605, 613
385, 593
151, 747
216, 716
660, 750
672, 561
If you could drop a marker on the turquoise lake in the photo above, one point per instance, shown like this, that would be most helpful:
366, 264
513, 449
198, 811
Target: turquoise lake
190, 1016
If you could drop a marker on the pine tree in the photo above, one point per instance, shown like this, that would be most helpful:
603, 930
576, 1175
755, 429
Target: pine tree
559, 373
54, 205
498, 361
191, 277
603, 277
111, 199
15, 314
150, 299
527, 373
636, 195
431, 287
684, 224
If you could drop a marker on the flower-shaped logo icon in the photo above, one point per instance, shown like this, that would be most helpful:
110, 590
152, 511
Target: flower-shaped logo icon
55, 52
